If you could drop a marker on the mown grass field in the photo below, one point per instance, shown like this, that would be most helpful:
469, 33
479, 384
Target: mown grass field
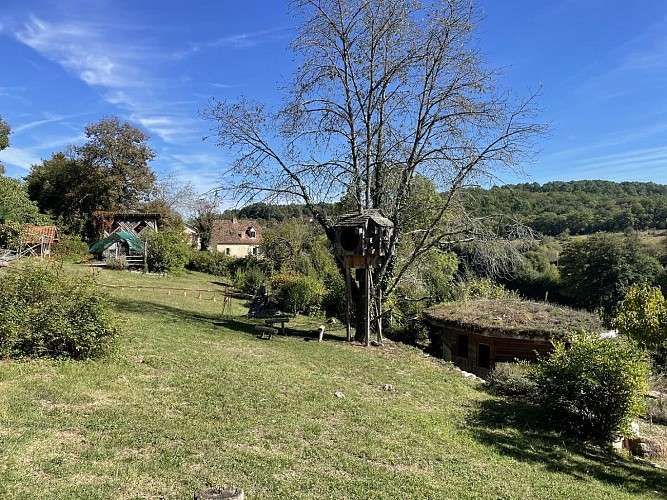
192, 398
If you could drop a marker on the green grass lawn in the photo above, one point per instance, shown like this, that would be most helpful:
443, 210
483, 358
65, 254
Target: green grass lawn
193, 398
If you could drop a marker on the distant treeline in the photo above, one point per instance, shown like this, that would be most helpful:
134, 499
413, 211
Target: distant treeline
271, 214
580, 207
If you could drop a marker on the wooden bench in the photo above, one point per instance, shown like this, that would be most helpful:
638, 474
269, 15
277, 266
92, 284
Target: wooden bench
266, 330
273, 321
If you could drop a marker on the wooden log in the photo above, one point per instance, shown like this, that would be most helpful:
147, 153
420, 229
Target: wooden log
220, 493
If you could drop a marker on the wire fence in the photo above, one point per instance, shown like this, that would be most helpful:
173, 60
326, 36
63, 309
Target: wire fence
215, 295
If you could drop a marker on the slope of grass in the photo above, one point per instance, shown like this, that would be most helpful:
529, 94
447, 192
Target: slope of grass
193, 398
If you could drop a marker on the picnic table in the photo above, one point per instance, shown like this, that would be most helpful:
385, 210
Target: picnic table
274, 321
269, 326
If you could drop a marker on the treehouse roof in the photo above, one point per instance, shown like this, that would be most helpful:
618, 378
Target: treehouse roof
360, 219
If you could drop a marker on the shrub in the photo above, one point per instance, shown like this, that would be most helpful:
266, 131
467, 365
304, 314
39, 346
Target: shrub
70, 247
297, 293
642, 316
334, 300
10, 234
45, 314
249, 280
116, 263
514, 380
216, 264
167, 252
245, 263
594, 388
483, 288
254, 277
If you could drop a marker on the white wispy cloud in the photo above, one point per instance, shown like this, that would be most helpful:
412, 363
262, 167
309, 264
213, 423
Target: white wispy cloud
122, 65
235, 41
49, 118
130, 68
638, 65
640, 158
639, 164
83, 49
171, 129
21, 158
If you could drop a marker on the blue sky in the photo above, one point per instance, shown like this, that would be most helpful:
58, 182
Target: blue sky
602, 65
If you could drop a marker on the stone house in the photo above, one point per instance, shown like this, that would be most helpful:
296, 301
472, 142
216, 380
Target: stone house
237, 238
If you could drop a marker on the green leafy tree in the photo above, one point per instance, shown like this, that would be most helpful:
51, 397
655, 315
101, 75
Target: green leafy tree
109, 172
593, 387
5, 131
206, 212
15, 205
387, 92
598, 271
120, 151
67, 188
642, 316
16, 208
10, 234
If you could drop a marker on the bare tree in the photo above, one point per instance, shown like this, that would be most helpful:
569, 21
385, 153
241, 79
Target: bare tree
386, 92
206, 210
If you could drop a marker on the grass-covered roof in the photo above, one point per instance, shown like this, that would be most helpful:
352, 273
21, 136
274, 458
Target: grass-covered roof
522, 318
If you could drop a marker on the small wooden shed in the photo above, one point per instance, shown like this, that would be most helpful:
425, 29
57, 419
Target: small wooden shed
37, 240
477, 334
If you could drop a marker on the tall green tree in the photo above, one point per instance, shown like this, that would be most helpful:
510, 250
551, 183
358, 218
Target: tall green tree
598, 271
15, 205
109, 172
16, 208
5, 130
386, 91
67, 188
120, 152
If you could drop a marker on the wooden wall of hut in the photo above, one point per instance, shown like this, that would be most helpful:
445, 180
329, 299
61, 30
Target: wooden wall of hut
478, 352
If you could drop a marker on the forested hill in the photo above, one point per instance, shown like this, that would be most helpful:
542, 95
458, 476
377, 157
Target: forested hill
581, 207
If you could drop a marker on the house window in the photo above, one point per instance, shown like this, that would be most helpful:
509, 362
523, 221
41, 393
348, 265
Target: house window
484, 356
255, 250
251, 232
228, 251
462, 346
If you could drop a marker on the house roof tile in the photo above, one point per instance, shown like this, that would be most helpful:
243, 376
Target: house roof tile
227, 232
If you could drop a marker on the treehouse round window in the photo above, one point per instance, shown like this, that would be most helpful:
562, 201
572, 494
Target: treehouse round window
350, 239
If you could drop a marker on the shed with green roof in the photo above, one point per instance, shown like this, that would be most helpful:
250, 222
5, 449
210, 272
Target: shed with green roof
122, 244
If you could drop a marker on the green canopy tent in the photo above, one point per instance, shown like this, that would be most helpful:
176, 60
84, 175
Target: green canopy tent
128, 245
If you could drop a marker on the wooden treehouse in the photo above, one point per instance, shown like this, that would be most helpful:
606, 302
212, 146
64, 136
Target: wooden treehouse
120, 235
362, 242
